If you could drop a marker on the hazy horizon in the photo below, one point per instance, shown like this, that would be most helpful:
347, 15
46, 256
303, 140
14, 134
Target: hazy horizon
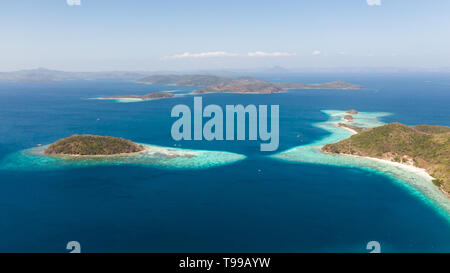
236, 70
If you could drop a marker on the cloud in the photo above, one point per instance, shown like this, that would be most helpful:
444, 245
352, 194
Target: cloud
201, 55
316, 52
73, 2
269, 54
373, 2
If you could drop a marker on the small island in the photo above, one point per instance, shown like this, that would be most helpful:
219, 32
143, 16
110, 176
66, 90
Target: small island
349, 115
348, 118
340, 85
149, 96
352, 112
241, 85
422, 146
92, 145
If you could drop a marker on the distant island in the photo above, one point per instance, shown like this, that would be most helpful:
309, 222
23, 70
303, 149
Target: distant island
249, 85
92, 145
341, 85
149, 96
208, 83
241, 85
186, 80
423, 146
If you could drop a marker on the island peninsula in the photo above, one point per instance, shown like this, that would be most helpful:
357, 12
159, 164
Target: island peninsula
422, 146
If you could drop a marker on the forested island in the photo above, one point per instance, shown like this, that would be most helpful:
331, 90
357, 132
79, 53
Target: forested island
92, 145
216, 84
423, 146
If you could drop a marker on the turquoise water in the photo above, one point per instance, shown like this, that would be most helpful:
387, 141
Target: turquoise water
230, 197
418, 184
34, 159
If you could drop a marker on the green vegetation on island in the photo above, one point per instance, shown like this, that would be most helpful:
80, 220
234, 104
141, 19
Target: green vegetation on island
91, 145
423, 146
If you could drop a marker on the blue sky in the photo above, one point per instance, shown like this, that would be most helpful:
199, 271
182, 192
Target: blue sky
213, 34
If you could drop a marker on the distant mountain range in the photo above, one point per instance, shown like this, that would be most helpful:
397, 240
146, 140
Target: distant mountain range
47, 75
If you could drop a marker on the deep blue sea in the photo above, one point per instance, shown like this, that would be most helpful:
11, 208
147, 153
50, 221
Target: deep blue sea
255, 205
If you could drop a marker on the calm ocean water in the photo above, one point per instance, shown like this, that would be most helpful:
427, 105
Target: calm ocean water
255, 205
